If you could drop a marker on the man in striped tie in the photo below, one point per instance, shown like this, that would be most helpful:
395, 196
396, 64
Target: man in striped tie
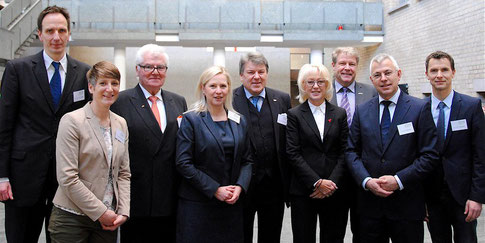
348, 94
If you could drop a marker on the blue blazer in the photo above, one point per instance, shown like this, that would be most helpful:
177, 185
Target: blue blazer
463, 155
200, 156
411, 157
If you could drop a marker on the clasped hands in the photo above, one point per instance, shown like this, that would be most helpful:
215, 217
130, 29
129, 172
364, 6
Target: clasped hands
383, 186
323, 188
228, 194
111, 221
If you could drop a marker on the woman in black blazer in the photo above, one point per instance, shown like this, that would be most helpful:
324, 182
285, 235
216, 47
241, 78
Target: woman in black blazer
316, 139
214, 160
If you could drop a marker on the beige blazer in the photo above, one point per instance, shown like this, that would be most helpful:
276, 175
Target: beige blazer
83, 167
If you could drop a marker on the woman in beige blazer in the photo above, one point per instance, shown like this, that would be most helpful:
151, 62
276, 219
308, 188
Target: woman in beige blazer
93, 197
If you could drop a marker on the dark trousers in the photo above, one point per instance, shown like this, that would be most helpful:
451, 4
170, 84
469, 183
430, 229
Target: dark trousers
265, 199
66, 227
146, 229
351, 203
373, 230
332, 215
24, 224
446, 213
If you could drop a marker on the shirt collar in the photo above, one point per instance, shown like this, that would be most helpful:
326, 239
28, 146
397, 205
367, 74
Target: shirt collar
338, 87
448, 100
48, 61
313, 107
394, 98
249, 95
147, 94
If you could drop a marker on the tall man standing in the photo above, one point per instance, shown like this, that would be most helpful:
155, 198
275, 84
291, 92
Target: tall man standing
265, 109
456, 191
348, 94
391, 150
151, 114
36, 92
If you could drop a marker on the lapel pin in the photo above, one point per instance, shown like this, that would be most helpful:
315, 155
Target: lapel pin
142, 106
329, 120
360, 93
274, 100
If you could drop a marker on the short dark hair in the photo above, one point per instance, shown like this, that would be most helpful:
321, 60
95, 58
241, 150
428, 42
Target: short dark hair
101, 70
254, 57
53, 9
440, 55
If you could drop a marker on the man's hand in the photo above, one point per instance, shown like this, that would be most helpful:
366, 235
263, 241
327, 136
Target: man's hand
5, 191
326, 187
224, 193
374, 185
388, 183
236, 191
472, 210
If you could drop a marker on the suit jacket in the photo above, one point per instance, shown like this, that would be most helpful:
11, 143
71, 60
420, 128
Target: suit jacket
279, 103
29, 122
152, 153
411, 156
310, 157
201, 159
463, 154
363, 93
83, 166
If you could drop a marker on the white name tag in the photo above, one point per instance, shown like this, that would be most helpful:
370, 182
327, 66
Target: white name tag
282, 119
120, 136
78, 95
179, 120
459, 125
405, 128
233, 116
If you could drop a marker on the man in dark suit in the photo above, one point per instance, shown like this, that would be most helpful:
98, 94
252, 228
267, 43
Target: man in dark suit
348, 94
151, 114
391, 150
456, 191
36, 92
265, 110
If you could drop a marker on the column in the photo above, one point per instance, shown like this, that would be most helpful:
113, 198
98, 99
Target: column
120, 63
219, 56
316, 56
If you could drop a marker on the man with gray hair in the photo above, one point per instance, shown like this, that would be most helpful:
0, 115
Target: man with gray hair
265, 110
348, 94
391, 149
151, 114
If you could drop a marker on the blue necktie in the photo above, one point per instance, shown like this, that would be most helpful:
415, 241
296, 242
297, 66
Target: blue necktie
344, 103
440, 126
385, 122
254, 100
55, 85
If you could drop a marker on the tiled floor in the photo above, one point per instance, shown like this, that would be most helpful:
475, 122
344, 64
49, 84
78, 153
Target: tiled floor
286, 236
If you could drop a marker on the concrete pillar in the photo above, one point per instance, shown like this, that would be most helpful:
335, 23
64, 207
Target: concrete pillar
120, 63
219, 56
316, 56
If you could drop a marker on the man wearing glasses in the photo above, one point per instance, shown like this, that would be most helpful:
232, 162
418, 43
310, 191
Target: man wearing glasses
151, 114
391, 149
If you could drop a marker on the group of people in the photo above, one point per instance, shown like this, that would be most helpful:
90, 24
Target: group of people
89, 159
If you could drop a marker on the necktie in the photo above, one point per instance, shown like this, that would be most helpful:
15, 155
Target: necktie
385, 122
155, 111
55, 85
254, 101
344, 103
441, 125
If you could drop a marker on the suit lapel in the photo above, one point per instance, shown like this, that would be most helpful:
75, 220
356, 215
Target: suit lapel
240, 103
400, 112
170, 113
71, 76
455, 111
372, 115
310, 120
38, 68
95, 126
274, 106
334, 96
359, 94
143, 108
210, 124
115, 127
329, 117
235, 132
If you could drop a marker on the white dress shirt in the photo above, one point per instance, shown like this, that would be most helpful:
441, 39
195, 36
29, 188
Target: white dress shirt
319, 116
50, 68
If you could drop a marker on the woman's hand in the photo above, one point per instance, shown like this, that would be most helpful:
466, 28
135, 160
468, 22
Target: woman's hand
107, 218
236, 191
120, 219
224, 193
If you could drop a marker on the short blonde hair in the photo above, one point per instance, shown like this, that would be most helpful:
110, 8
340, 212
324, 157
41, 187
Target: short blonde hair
351, 51
322, 71
201, 104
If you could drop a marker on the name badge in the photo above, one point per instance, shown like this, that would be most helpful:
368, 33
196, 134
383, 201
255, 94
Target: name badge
179, 120
120, 136
459, 125
405, 128
78, 95
282, 119
233, 116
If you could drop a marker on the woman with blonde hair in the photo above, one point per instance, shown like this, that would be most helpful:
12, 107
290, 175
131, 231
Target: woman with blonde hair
214, 160
316, 140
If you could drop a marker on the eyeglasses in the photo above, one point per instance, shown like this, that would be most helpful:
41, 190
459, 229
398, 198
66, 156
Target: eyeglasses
378, 76
311, 83
150, 68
